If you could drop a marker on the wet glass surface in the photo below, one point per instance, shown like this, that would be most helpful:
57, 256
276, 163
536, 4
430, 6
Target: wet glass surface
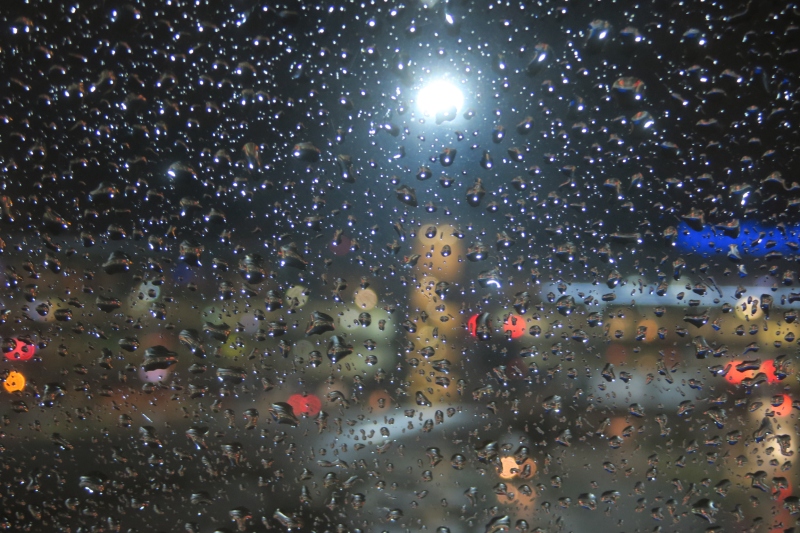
381, 266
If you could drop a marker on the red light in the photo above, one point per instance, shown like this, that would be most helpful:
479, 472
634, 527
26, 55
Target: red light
783, 493
515, 325
342, 247
767, 367
308, 405
22, 352
472, 325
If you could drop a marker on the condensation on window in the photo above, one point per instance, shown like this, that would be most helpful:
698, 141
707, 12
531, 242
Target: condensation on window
382, 266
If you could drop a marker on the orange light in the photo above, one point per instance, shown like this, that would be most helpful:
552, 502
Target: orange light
651, 327
308, 405
514, 324
768, 367
511, 469
14, 382
736, 377
379, 400
785, 408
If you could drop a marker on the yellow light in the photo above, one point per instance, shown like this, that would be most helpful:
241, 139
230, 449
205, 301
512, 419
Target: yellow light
365, 299
447, 268
438, 97
748, 310
299, 293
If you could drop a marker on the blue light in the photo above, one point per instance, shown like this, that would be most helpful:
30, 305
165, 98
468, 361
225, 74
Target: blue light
748, 240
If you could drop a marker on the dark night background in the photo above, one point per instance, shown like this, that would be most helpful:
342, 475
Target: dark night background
609, 343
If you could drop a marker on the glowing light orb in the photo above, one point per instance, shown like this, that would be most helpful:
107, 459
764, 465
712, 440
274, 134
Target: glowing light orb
785, 408
305, 405
154, 376
365, 299
22, 351
472, 325
767, 367
514, 325
439, 97
379, 400
14, 382
511, 469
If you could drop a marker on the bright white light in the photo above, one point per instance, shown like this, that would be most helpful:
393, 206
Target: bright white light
439, 96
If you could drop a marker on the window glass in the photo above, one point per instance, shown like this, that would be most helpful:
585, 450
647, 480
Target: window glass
437, 265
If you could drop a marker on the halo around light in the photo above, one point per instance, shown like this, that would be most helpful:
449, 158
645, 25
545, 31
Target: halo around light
439, 96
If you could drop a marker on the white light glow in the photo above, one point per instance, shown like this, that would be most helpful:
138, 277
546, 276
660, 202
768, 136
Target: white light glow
439, 96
